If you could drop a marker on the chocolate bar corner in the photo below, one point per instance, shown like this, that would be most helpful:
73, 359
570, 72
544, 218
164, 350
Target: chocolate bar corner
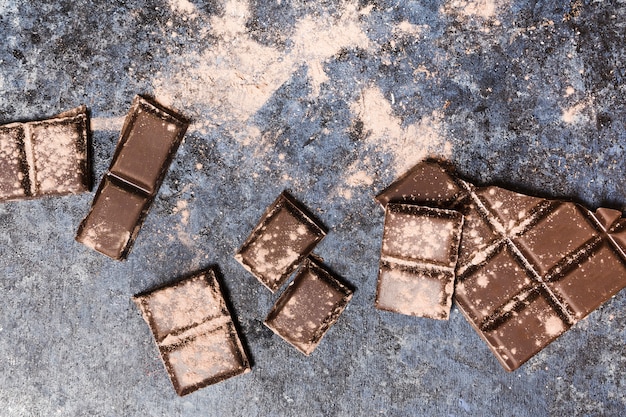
283, 237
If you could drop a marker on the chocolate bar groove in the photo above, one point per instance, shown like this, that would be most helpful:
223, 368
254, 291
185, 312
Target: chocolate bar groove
47, 157
529, 268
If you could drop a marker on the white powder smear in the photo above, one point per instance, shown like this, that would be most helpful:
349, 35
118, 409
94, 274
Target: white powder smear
409, 144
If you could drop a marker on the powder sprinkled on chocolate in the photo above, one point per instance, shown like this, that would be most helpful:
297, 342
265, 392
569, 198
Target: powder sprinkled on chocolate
284, 236
48, 157
311, 304
194, 332
418, 259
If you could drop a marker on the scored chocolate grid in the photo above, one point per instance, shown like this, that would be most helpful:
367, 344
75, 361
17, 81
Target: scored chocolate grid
517, 303
509, 240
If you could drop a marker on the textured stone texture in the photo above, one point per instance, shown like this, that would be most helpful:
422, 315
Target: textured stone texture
330, 100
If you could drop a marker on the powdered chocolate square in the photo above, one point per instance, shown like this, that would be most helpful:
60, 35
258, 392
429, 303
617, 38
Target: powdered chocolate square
284, 236
312, 303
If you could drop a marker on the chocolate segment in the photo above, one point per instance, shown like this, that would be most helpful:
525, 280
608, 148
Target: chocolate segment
149, 140
194, 332
115, 218
418, 258
312, 303
14, 174
529, 268
49, 157
284, 236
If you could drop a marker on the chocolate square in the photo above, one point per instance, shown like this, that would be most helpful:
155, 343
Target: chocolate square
115, 218
14, 182
284, 236
149, 140
312, 303
194, 332
418, 257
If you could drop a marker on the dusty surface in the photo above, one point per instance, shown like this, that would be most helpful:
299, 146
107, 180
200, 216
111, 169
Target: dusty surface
330, 100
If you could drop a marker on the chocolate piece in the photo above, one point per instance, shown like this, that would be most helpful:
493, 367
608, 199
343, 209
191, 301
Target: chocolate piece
194, 332
418, 258
48, 157
149, 140
284, 236
529, 268
308, 307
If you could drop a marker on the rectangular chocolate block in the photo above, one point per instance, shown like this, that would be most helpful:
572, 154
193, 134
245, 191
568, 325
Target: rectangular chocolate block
418, 259
194, 332
48, 157
529, 268
149, 140
284, 236
312, 303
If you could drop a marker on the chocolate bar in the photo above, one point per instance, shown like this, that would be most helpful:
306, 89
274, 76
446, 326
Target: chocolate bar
47, 157
312, 303
284, 236
529, 268
149, 140
194, 332
418, 260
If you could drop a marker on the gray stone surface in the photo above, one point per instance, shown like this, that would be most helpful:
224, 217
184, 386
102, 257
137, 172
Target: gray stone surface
330, 100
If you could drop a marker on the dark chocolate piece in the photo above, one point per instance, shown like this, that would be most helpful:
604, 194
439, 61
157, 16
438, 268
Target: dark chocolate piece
194, 332
148, 142
284, 236
418, 258
312, 303
529, 268
48, 157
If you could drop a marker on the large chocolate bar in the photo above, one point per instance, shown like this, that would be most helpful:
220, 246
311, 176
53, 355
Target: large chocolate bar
312, 303
194, 332
418, 260
47, 157
284, 236
150, 137
529, 268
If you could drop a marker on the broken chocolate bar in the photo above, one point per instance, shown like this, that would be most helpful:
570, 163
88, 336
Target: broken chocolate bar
194, 332
312, 303
284, 236
418, 259
529, 268
149, 140
48, 157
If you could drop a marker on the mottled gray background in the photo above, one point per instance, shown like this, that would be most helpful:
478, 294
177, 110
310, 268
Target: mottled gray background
530, 94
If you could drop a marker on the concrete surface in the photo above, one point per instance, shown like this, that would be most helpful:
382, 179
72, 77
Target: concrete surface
330, 100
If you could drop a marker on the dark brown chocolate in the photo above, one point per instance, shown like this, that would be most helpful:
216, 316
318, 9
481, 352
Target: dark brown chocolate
418, 259
529, 268
312, 303
194, 332
148, 142
48, 157
284, 236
